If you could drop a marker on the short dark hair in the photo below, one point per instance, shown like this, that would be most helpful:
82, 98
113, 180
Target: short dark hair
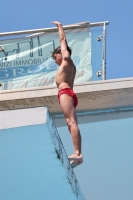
58, 50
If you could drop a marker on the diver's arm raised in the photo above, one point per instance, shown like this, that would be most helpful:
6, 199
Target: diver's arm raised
63, 41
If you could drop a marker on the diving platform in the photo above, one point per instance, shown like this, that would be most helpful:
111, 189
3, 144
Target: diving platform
96, 95
34, 164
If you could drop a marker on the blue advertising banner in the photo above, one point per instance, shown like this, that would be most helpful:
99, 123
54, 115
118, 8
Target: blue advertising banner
26, 62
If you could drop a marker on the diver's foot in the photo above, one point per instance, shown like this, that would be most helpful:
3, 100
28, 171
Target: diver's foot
76, 157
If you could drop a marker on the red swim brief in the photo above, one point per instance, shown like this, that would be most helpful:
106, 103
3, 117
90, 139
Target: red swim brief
71, 93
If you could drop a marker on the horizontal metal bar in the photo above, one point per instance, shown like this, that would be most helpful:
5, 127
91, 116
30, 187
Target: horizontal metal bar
71, 26
99, 24
80, 25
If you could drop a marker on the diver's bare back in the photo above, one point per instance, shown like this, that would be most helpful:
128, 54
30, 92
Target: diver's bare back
66, 74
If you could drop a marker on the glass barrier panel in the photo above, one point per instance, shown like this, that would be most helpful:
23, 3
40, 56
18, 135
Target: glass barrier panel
96, 54
26, 62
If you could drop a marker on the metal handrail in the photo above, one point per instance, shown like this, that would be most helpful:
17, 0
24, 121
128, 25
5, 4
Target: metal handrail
53, 29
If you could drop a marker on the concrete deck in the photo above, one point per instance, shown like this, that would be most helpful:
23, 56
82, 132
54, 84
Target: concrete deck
98, 95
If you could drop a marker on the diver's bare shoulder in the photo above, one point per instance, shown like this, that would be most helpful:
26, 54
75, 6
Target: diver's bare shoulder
66, 74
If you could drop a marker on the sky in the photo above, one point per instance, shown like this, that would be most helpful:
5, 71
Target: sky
26, 15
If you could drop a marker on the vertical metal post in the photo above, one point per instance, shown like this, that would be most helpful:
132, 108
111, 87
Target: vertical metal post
104, 53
